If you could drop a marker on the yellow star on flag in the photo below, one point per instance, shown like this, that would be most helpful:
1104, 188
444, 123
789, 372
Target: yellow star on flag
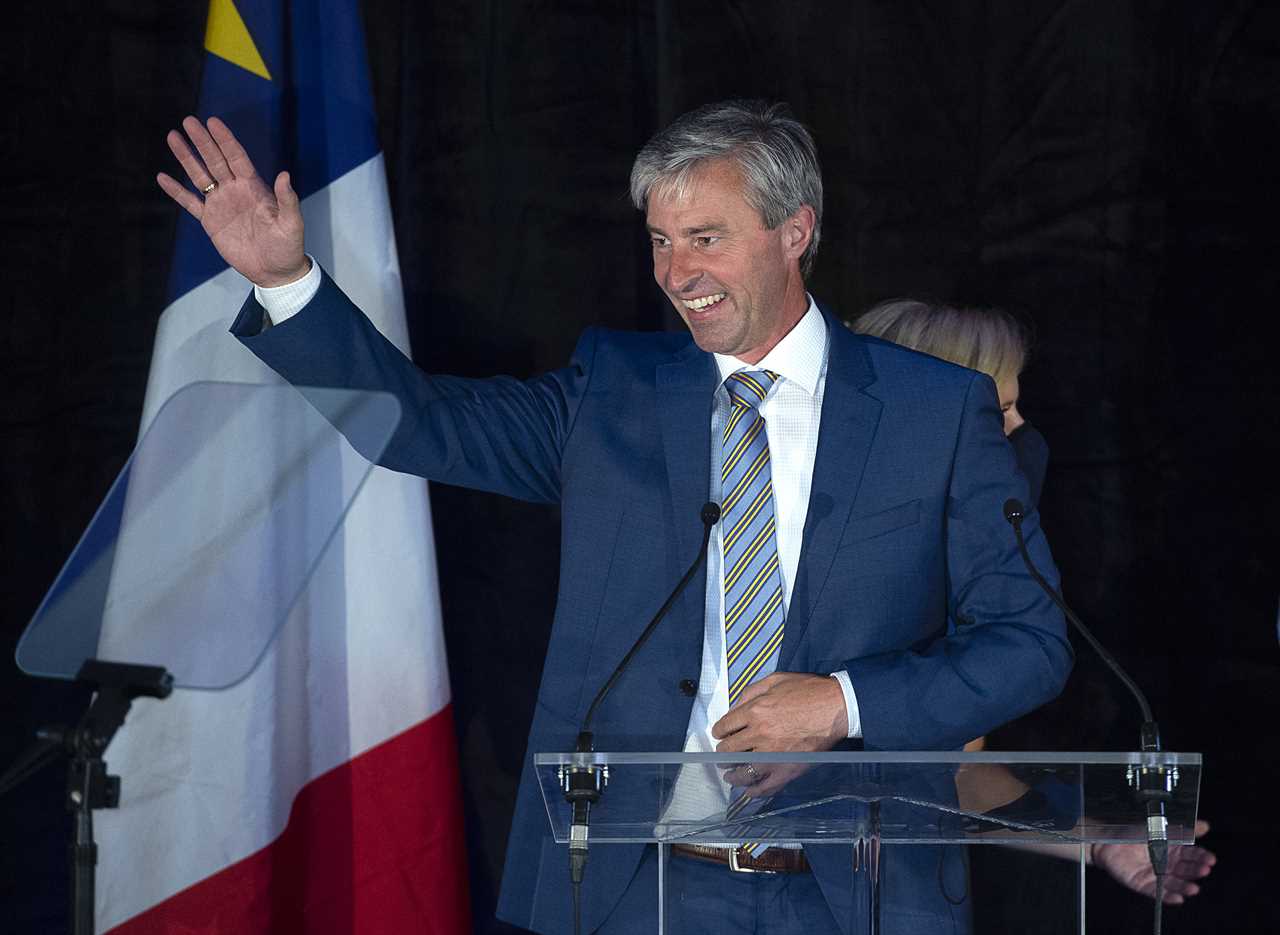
227, 37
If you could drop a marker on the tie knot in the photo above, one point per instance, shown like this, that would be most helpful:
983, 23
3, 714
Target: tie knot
749, 387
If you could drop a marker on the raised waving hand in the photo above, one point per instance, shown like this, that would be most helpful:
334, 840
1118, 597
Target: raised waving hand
256, 229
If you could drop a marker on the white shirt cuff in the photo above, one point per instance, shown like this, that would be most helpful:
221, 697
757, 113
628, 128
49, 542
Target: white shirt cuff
283, 302
850, 703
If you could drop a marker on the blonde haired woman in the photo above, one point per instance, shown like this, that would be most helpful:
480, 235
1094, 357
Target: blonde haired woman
988, 340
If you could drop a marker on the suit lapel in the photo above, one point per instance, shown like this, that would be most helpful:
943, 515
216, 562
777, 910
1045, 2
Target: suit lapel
850, 415
849, 420
685, 389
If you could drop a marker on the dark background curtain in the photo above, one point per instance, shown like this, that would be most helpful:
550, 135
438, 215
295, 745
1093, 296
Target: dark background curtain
1107, 169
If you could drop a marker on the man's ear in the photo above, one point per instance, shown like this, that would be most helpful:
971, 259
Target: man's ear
797, 231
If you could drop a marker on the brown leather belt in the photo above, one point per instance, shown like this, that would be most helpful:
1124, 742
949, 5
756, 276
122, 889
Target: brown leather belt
769, 860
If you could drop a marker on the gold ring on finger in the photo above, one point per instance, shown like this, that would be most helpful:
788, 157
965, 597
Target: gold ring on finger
208, 188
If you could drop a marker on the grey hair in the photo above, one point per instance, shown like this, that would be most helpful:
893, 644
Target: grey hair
986, 339
773, 151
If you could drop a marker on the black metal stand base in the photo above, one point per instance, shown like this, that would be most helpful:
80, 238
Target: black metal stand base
89, 786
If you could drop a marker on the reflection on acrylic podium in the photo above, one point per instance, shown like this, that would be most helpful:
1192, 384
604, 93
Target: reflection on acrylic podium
883, 832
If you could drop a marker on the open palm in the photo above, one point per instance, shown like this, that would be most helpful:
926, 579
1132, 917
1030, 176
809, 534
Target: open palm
258, 230
1130, 866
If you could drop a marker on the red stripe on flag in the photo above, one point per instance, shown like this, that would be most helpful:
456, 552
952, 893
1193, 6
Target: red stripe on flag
373, 846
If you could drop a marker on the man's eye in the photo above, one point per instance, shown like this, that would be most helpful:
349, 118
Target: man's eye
658, 241
705, 240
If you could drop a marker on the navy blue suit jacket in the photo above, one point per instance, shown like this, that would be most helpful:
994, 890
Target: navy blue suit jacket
908, 576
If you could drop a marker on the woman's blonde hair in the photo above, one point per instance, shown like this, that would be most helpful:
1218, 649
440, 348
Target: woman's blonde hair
986, 339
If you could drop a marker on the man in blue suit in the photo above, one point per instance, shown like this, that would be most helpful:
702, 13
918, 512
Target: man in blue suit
861, 587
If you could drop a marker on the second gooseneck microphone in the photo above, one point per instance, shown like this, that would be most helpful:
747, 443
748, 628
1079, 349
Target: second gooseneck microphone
1154, 786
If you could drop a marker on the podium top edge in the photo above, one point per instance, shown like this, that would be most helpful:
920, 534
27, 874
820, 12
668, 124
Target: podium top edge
889, 757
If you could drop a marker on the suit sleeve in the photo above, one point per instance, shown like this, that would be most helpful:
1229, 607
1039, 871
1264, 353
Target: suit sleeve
1006, 651
500, 434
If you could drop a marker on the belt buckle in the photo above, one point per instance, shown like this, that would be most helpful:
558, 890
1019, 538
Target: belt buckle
738, 868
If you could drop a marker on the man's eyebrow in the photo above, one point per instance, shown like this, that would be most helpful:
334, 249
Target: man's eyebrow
706, 227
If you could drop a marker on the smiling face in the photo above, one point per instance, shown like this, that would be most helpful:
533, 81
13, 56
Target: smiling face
736, 284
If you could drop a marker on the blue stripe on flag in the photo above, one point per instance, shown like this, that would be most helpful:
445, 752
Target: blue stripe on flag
315, 116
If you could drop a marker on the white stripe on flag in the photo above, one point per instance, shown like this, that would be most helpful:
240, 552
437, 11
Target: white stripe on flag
209, 777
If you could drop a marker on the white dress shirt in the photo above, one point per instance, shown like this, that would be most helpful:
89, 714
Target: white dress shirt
281, 302
792, 413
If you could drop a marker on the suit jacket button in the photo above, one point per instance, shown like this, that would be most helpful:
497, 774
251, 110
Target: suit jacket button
688, 687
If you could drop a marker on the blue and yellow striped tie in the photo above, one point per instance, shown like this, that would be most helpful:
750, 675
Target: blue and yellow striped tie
753, 612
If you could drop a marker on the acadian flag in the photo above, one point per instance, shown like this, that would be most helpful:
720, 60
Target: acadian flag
320, 794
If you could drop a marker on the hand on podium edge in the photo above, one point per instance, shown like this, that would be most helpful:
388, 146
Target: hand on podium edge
786, 712
1130, 866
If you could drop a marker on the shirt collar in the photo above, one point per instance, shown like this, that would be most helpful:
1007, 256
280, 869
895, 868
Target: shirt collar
798, 356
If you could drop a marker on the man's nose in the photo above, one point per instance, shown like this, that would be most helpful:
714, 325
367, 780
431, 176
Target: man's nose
683, 273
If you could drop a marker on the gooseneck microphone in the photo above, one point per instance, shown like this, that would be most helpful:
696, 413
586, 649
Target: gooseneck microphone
583, 785
1153, 785
1013, 513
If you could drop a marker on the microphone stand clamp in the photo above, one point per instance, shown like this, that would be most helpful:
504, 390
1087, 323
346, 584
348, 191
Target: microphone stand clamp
582, 785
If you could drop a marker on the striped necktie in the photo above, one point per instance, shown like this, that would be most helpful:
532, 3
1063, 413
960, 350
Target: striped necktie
753, 612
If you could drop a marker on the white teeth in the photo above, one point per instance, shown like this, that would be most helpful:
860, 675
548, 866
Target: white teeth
703, 302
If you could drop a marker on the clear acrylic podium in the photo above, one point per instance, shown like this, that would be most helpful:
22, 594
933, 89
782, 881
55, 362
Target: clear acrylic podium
863, 808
